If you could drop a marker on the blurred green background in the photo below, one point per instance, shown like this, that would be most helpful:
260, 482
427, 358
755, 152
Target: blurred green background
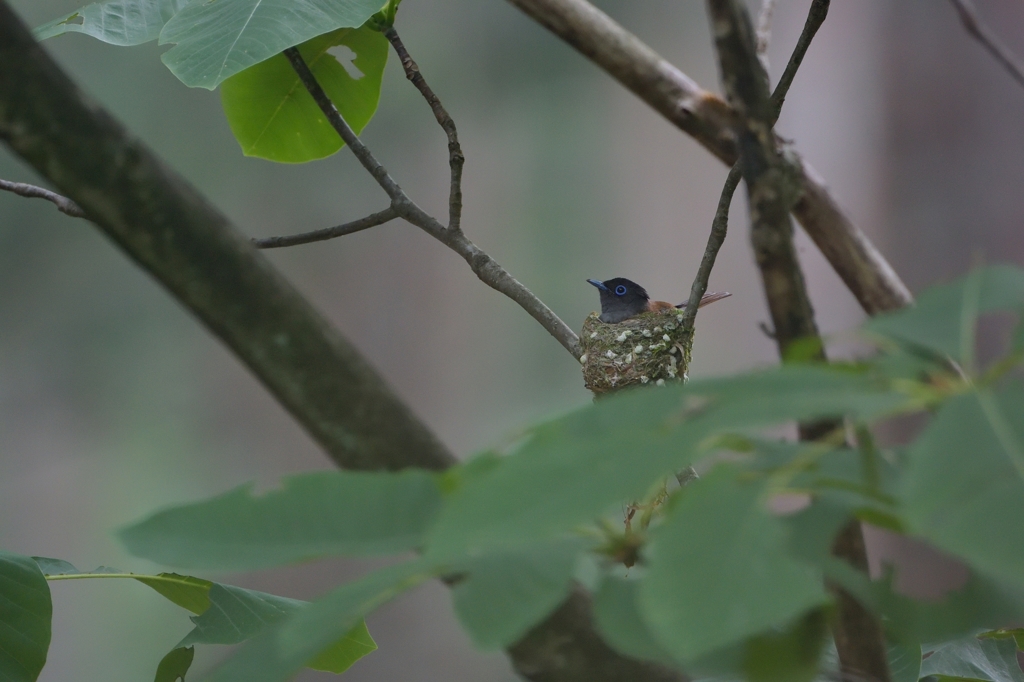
114, 401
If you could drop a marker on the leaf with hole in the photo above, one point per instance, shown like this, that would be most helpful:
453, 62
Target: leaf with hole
118, 22
216, 40
274, 117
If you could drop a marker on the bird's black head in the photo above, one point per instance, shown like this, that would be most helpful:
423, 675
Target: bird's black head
620, 299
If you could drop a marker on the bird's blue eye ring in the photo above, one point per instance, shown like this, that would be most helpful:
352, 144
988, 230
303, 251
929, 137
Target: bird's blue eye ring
620, 290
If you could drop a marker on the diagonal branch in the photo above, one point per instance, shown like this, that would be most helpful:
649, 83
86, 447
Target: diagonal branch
169, 229
988, 39
720, 224
372, 220
455, 157
485, 267
63, 204
710, 122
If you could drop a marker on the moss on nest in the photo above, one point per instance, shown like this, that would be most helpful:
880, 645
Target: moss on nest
649, 348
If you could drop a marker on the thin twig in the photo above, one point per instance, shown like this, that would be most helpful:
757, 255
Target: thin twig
988, 39
456, 160
720, 224
369, 221
63, 204
485, 267
815, 18
719, 227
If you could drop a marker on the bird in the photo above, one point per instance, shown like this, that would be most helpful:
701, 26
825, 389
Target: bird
622, 299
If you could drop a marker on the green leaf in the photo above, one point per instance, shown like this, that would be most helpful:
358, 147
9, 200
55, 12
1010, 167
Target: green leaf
175, 665
274, 117
310, 516
719, 570
191, 594
944, 318
992, 660
618, 619
905, 662
237, 614
504, 594
336, 659
216, 40
118, 22
25, 613
789, 654
575, 468
277, 654
964, 484
981, 603
184, 590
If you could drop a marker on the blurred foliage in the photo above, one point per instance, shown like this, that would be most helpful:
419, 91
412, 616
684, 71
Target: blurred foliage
721, 585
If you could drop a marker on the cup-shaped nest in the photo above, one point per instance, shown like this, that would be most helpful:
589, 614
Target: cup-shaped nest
648, 348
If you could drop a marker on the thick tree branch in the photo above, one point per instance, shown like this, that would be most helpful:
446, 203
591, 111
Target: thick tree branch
988, 39
169, 229
456, 160
63, 204
720, 224
710, 121
485, 267
771, 190
372, 220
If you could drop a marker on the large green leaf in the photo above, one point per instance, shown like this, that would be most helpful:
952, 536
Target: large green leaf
964, 485
575, 468
991, 660
274, 117
216, 40
118, 22
25, 613
312, 515
944, 317
503, 595
719, 570
281, 651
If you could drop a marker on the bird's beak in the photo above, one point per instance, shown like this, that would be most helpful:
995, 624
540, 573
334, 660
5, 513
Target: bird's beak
598, 284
